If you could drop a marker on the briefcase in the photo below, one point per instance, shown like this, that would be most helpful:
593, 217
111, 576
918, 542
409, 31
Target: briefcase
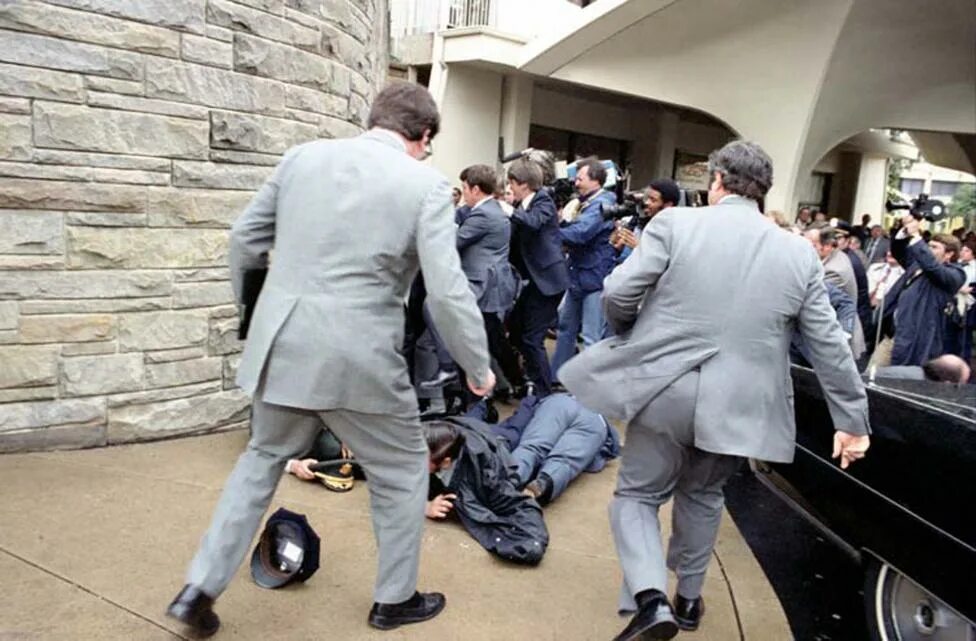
253, 282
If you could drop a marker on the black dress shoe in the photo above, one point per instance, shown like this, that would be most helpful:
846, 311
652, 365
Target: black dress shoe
442, 379
688, 612
195, 609
654, 620
420, 607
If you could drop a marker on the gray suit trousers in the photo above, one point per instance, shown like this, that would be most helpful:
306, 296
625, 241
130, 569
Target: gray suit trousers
659, 460
392, 451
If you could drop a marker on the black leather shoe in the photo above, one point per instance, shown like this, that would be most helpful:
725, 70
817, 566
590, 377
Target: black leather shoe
195, 609
654, 620
688, 612
420, 607
442, 379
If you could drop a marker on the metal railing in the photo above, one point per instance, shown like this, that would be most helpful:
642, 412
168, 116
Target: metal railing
416, 17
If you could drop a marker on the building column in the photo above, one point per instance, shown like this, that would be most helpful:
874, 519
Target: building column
516, 111
872, 183
470, 102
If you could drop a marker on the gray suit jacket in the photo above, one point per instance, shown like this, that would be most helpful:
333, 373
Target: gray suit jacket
672, 316
839, 271
350, 222
876, 249
483, 243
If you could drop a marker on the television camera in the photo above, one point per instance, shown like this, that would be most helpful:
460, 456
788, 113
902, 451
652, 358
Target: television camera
922, 208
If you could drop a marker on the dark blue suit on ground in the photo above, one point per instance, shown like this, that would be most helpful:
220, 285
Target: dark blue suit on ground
918, 300
558, 437
540, 261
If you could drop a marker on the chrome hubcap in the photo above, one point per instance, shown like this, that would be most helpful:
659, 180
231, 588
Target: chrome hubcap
906, 612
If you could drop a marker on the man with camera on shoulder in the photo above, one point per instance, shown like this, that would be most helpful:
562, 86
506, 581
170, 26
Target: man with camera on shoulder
661, 194
590, 259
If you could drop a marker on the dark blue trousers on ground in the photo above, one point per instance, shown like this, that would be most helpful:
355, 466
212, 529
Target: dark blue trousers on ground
560, 441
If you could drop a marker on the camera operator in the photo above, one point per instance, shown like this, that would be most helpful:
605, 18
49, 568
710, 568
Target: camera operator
537, 253
919, 299
661, 194
591, 258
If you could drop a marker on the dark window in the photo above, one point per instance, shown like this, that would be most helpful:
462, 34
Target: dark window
944, 188
571, 146
911, 186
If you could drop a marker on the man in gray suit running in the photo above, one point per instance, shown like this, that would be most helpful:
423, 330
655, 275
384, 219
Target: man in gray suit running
350, 222
699, 368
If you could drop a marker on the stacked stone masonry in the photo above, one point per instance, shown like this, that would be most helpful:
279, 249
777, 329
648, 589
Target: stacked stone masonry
132, 133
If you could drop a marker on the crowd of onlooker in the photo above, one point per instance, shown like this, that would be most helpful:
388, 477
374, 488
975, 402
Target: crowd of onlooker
911, 291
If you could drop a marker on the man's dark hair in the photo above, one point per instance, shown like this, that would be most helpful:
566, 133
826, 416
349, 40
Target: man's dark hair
406, 108
826, 234
745, 169
945, 369
950, 242
525, 172
668, 189
594, 169
481, 176
443, 440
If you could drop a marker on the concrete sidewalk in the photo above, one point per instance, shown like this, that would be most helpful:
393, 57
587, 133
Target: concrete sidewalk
93, 545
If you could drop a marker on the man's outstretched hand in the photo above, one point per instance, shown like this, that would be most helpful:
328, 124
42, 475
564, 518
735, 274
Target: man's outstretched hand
850, 447
488, 385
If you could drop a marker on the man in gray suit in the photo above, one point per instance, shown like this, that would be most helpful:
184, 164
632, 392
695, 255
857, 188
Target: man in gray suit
838, 271
699, 369
877, 246
483, 239
350, 222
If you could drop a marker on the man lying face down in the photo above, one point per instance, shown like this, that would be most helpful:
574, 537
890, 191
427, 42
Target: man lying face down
495, 478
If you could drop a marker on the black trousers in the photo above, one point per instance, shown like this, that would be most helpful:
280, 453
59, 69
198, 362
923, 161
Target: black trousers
533, 315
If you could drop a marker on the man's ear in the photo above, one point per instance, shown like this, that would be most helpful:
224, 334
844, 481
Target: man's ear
446, 463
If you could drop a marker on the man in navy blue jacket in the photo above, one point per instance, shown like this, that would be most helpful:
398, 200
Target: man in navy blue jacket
591, 258
540, 261
919, 298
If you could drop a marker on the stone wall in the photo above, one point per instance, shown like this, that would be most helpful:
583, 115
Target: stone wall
132, 132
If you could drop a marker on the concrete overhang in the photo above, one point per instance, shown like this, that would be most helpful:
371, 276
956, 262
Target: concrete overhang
594, 25
482, 45
953, 151
876, 143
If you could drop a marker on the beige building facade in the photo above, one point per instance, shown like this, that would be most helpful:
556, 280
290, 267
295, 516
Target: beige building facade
815, 83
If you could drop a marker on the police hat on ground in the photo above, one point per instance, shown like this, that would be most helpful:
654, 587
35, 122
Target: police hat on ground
338, 475
287, 551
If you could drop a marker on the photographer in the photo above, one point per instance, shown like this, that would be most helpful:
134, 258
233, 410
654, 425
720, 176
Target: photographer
538, 256
591, 258
661, 194
917, 302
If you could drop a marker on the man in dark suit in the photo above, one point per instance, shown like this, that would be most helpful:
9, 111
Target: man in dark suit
483, 241
540, 261
919, 298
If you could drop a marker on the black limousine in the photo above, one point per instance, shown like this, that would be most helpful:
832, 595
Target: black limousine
907, 511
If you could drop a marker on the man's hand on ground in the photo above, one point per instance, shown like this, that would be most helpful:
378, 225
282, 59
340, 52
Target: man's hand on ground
440, 506
488, 385
850, 447
300, 468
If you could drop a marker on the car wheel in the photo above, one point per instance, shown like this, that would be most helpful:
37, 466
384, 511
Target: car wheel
900, 610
